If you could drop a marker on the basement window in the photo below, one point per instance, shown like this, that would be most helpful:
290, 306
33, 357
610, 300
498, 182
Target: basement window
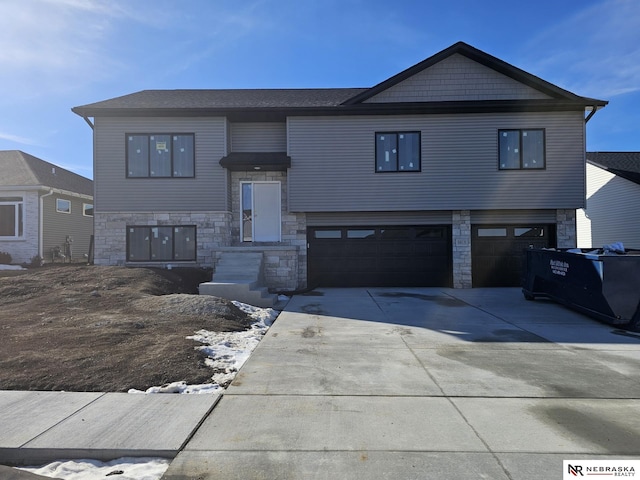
161, 243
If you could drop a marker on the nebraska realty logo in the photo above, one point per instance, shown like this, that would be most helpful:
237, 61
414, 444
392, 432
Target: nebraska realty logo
601, 468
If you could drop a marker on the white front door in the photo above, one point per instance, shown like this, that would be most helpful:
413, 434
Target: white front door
261, 211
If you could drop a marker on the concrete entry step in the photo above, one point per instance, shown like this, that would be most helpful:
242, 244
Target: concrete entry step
239, 276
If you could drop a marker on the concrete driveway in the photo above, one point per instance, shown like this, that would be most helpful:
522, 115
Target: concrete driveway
423, 383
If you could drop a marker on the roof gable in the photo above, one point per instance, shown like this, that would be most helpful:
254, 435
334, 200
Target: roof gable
452, 66
20, 169
623, 164
457, 78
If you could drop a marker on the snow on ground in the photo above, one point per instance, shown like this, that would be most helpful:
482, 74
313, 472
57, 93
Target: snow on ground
11, 267
125, 468
225, 351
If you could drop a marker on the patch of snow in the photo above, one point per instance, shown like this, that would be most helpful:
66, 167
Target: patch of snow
11, 267
125, 468
226, 352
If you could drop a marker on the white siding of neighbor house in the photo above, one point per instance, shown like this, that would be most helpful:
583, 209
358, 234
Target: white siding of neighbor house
333, 164
457, 78
258, 137
115, 192
612, 213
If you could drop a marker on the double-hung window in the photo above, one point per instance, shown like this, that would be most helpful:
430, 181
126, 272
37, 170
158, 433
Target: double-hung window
161, 243
160, 155
11, 217
521, 149
398, 152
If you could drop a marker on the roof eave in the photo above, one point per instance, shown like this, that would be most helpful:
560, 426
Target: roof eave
280, 113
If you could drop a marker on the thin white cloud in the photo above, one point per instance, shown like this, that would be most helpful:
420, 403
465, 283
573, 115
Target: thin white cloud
17, 139
596, 52
48, 46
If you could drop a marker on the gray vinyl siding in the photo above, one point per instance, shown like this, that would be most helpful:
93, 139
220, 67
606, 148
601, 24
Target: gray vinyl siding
339, 219
612, 213
333, 164
115, 192
258, 137
513, 216
57, 226
457, 78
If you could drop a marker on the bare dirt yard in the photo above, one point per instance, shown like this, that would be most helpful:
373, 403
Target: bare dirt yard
89, 328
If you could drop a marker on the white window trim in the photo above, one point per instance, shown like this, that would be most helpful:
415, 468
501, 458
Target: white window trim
84, 209
63, 211
16, 205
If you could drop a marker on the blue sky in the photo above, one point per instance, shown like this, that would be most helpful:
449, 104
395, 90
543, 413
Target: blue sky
57, 54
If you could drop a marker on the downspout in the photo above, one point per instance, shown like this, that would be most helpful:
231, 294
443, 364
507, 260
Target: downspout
86, 119
591, 114
41, 221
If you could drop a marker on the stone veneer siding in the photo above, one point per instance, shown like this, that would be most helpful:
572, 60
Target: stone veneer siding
461, 239
566, 232
110, 246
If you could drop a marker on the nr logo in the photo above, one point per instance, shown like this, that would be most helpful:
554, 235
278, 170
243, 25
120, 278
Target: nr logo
575, 471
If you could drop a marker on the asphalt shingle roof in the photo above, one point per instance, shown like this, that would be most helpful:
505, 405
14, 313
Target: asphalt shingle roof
230, 99
252, 102
623, 164
21, 169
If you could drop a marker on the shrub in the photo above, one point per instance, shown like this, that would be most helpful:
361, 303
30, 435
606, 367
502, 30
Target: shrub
35, 262
5, 258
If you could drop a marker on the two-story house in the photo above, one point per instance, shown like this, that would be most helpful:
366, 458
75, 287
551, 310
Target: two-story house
438, 176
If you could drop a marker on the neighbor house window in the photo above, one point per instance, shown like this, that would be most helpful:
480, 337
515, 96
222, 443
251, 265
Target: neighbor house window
87, 210
398, 152
11, 217
161, 243
160, 155
521, 149
63, 206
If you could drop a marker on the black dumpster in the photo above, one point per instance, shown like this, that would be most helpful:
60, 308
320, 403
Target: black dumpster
603, 285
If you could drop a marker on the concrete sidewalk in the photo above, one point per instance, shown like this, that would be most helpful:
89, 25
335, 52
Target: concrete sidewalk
425, 384
40, 427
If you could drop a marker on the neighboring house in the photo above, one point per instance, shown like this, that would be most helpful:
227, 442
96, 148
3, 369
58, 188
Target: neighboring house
612, 213
45, 210
438, 176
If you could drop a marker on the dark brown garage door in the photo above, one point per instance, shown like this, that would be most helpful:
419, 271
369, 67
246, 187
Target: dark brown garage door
496, 252
379, 256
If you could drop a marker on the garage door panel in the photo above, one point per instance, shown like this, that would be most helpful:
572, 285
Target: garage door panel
380, 256
497, 252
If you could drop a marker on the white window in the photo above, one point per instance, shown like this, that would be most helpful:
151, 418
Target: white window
87, 210
63, 206
11, 217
